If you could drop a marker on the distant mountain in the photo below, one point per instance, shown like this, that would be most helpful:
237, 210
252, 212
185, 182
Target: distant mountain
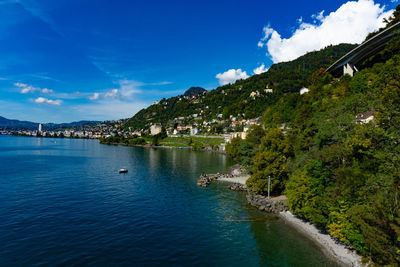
16, 124
69, 125
193, 91
28, 125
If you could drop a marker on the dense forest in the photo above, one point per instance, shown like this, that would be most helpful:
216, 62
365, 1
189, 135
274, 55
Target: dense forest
335, 153
234, 99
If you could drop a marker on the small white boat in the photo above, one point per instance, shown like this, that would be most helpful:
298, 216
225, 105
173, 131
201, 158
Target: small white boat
123, 170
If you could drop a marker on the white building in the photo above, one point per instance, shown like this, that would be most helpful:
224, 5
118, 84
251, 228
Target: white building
40, 128
194, 131
255, 94
155, 129
241, 135
304, 91
365, 117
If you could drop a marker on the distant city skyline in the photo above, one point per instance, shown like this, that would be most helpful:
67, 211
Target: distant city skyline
66, 61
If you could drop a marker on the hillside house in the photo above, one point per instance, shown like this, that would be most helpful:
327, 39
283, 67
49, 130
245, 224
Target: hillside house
364, 117
194, 131
155, 129
304, 91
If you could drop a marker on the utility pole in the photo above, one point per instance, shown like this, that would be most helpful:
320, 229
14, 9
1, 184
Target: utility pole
269, 185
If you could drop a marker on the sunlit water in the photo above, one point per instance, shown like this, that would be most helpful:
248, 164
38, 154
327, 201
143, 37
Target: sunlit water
63, 202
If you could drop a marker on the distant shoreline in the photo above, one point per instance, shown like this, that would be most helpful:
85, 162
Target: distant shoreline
168, 147
55, 137
122, 144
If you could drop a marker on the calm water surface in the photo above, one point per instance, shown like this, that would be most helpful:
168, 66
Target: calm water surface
62, 202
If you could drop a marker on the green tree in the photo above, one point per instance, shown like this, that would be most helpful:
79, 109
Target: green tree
270, 160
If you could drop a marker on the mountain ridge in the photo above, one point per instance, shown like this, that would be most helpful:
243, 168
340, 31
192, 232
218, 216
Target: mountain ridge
28, 125
246, 98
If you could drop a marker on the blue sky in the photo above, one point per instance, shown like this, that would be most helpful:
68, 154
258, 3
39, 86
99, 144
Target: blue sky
63, 61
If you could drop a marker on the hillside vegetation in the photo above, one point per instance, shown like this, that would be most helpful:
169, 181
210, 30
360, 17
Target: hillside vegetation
234, 99
337, 158
334, 151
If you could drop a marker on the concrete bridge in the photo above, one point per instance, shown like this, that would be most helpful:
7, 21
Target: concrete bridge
348, 63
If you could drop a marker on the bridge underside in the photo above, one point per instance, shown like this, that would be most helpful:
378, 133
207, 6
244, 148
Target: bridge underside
349, 64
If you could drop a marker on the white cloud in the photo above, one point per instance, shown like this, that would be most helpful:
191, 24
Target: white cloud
25, 88
113, 93
351, 23
159, 83
267, 31
42, 100
230, 76
95, 96
129, 87
47, 91
319, 16
260, 69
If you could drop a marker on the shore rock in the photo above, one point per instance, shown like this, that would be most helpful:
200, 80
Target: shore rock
206, 179
263, 203
238, 187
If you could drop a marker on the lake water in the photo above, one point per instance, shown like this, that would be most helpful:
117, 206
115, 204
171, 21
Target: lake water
63, 202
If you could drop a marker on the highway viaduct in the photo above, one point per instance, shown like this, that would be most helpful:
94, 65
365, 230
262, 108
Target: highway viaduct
348, 63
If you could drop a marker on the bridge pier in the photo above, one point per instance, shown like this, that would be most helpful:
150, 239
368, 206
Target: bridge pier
349, 69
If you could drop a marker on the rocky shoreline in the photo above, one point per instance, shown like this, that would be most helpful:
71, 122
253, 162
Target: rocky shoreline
263, 203
279, 205
206, 179
238, 187
331, 247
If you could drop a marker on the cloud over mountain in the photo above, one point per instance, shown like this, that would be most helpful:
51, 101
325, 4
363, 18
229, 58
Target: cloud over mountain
351, 23
231, 76
260, 69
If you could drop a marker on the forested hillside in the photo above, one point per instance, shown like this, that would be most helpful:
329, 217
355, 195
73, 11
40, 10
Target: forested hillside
234, 99
337, 158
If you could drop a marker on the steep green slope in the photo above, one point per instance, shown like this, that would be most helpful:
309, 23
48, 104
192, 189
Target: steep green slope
337, 158
234, 99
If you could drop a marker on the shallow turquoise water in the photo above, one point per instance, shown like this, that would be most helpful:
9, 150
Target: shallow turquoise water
63, 202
